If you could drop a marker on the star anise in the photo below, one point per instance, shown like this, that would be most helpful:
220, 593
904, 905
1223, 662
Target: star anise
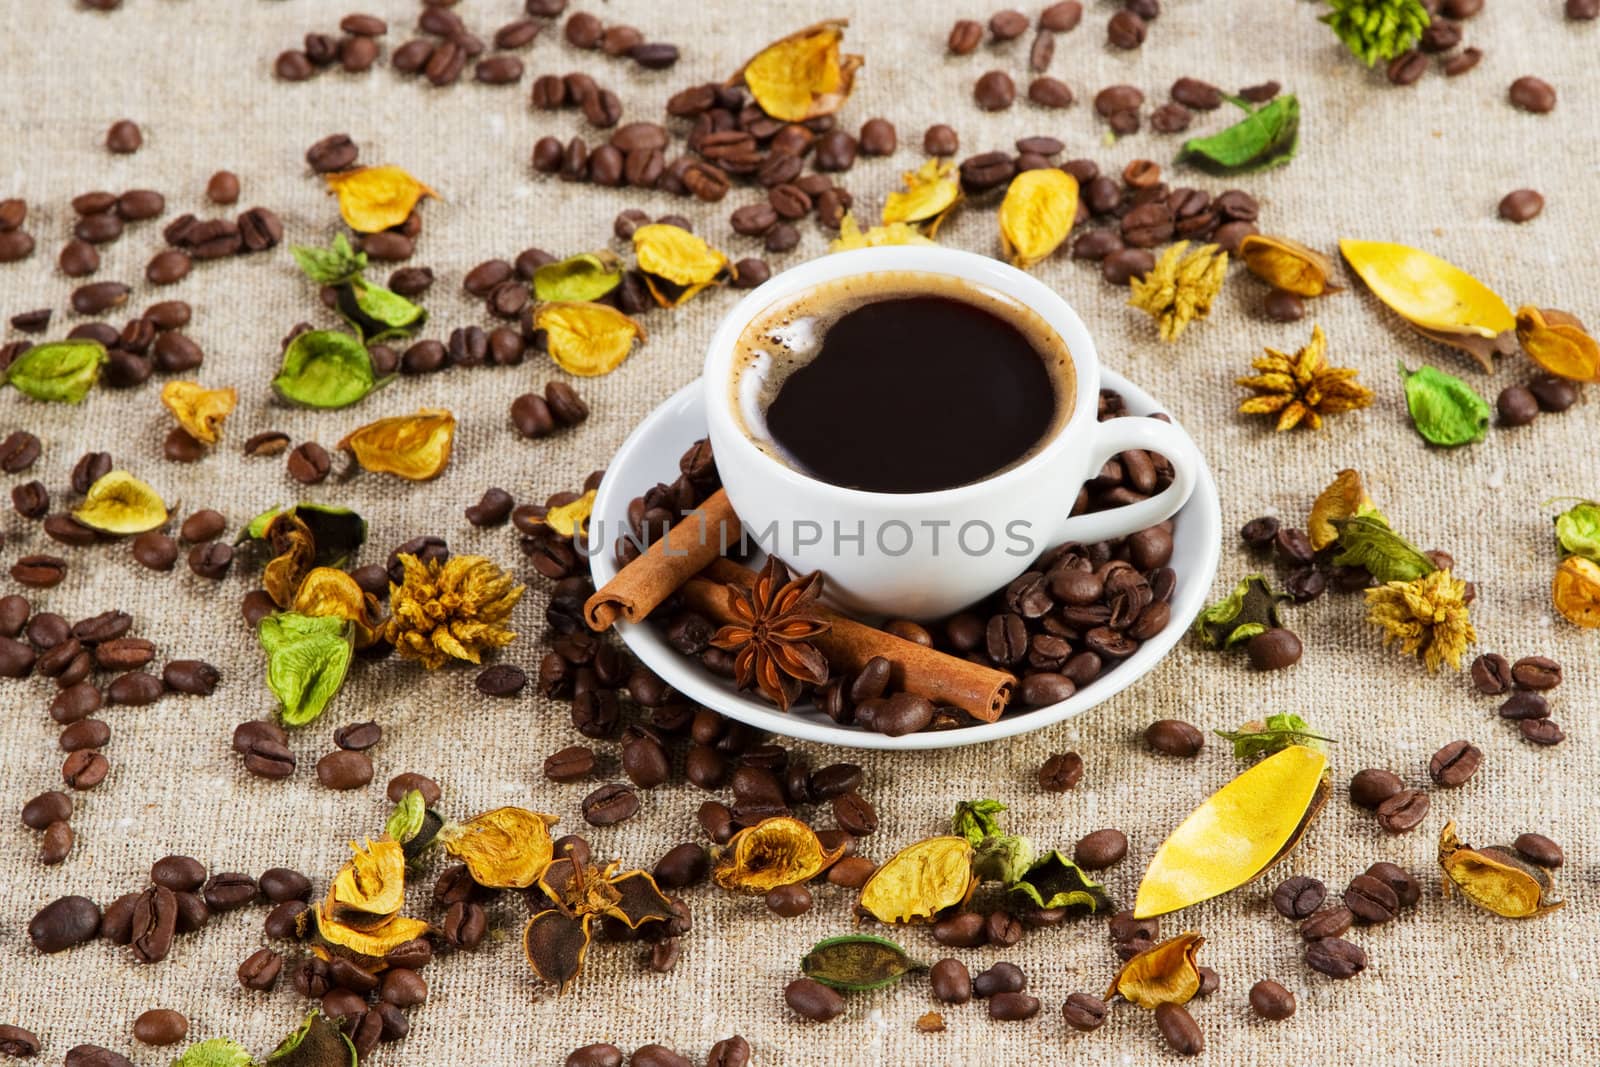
771, 637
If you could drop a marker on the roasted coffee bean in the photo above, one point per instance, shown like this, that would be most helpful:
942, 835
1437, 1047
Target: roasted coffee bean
160, 1026
1283, 306
1536, 672
134, 688
124, 137
19, 451
952, 984
211, 560
965, 36
1273, 650
190, 676
268, 758
97, 298
966, 929
645, 762
1125, 30
1521, 205
1084, 1012
1539, 849
501, 680
181, 874
1293, 546
1270, 1000
683, 866
280, 885
168, 267
855, 814
123, 653
1196, 95
1407, 68
903, 713
309, 463
1101, 849
1120, 266
63, 923
610, 804
344, 769
1335, 957
1008, 25
1060, 772
1012, 1007
1517, 405
1404, 811
260, 970
358, 736
994, 91
17, 1042
1533, 94
1407, 889
1553, 394
155, 924
1178, 1027
1371, 899
1453, 764
283, 922
598, 1055
812, 1000
31, 500
789, 900
46, 808
1541, 731
86, 733
531, 416
333, 153
1173, 737
85, 769
229, 890
1371, 787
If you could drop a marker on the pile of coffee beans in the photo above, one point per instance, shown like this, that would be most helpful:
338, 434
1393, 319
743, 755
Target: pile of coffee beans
1441, 40
1518, 405
1525, 684
355, 51
15, 242
145, 345
1372, 898
540, 416
729, 1052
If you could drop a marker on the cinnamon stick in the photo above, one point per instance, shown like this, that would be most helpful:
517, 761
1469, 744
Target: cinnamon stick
695, 541
980, 691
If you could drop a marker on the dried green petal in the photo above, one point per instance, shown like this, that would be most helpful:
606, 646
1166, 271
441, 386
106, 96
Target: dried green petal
61, 371
336, 265
337, 531
307, 659
1376, 30
377, 313
1445, 410
1578, 530
325, 369
1056, 882
316, 1043
975, 819
1251, 608
1367, 541
587, 276
1255, 740
1002, 858
405, 822
218, 1052
1266, 137
858, 962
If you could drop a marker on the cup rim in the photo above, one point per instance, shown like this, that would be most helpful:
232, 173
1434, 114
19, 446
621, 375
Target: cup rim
1005, 279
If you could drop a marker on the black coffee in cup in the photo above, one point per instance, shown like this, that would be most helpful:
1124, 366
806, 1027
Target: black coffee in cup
901, 382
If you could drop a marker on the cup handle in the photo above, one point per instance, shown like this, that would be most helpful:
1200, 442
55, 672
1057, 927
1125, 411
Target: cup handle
1120, 435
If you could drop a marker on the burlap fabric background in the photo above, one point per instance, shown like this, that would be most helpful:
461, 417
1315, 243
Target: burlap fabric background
1424, 166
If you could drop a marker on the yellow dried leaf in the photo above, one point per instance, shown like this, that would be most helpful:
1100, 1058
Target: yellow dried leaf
1240, 831
415, 447
1440, 300
931, 192
773, 852
1496, 878
1344, 498
1576, 591
330, 591
507, 848
1037, 214
373, 882
1559, 343
587, 339
897, 233
1180, 288
375, 198
293, 549
676, 264
119, 503
801, 76
374, 943
199, 410
1162, 974
920, 881
568, 519
1287, 265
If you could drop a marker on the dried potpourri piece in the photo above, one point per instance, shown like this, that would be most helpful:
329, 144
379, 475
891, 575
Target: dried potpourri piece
60, 371
1256, 740
857, 963
118, 503
200, 411
1054, 881
1376, 30
1496, 878
801, 76
1237, 833
371, 886
307, 660
326, 369
1344, 498
507, 848
414, 447
1445, 410
1302, 388
576, 279
1037, 215
771, 637
569, 520
1576, 591
1268, 136
217, 1052
316, 1043
330, 592
675, 263
1251, 609
1368, 541
374, 312
1438, 299
851, 235
1181, 287
373, 199
1578, 529
1427, 617
413, 824
334, 532
557, 938
920, 881
455, 609
1559, 343
587, 339
1287, 265
294, 550
1162, 974
773, 852
932, 191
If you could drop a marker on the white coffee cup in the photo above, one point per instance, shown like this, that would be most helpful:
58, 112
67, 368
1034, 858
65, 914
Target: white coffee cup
926, 555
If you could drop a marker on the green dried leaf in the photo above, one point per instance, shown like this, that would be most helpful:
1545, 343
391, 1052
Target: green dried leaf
1255, 740
1056, 882
337, 531
337, 265
378, 314
975, 820
587, 276
315, 1043
1445, 410
405, 822
307, 659
1266, 137
62, 372
858, 962
1251, 608
325, 369
1367, 541
1376, 30
1578, 530
1002, 858
218, 1052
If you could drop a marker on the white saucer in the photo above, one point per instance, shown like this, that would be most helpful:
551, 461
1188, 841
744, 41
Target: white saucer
650, 455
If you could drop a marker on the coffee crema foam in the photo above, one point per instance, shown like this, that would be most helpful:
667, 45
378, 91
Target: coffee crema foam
788, 335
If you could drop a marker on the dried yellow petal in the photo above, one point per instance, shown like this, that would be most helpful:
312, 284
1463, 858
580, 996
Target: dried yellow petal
1496, 878
328, 591
1162, 974
1302, 388
773, 852
676, 264
199, 410
1037, 214
920, 881
375, 198
507, 848
587, 339
1576, 591
852, 236
373, 882
1241, 830
1440, 300
1559, 343
456, 609
1180, 288
1344, 498
415, 447
293, 549
931, 192
1287, 265
374, 943
1427, 617
568, 519
801, 76
119, 503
